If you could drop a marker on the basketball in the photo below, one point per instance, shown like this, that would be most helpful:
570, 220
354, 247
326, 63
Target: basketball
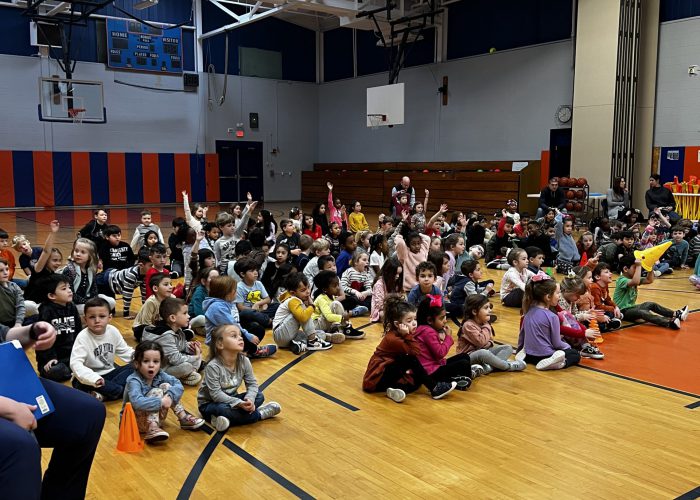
578, 206
570, 195
569, 206
564, 181
580, 194
582, 182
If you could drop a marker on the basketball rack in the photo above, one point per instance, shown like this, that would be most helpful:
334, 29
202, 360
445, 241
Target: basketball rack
375, 120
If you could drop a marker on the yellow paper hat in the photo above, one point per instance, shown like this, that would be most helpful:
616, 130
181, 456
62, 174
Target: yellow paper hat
651, 255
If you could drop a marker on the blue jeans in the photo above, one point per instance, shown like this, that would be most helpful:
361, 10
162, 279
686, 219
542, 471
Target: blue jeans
20, 282
235, 416
115, 382
263, 318
72, 430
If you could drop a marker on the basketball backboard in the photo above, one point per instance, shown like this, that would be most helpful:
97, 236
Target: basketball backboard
387, 100
62, 100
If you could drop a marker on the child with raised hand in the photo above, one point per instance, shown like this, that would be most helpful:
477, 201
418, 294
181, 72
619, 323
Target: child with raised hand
220, 309
94, 230
539, 341
196, 219
356, 220
149, 314
336, 210
576, 333
48, 263
390, 281
515, 278
80, 271
626, 297
198, 293
12, 308
476, 338
394, 367
92, 358
418, 217
435, 340
147, 224
152, 392
357, 282
58, 310
411, 251
293, 327
611, 316
425, 275
227, 368
28, 255
183, 357
329, 314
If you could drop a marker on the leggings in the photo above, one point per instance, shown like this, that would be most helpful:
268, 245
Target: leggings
496, 356
514, 298
72, 430
651, 312
458, 365
396, 371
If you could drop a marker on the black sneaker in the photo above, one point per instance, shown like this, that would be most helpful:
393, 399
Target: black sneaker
353, 333
614, 324
442, 389
297, 347
675, 324
682, 314
463, 383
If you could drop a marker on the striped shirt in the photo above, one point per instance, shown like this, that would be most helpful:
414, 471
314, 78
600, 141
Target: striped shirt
124, 282
354, 280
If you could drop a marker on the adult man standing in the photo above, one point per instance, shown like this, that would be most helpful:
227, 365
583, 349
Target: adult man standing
661, 197
551, 196
404, 186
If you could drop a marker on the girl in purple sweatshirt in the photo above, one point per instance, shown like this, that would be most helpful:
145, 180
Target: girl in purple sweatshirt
540, 342
435, 340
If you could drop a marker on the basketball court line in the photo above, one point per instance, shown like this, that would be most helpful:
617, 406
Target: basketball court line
691, 495
327, 396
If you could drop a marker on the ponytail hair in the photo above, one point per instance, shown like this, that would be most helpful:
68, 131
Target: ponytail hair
429, 308
537, 290
395, 308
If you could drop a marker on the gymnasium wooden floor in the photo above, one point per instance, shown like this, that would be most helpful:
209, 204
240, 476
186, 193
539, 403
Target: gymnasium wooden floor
627, 426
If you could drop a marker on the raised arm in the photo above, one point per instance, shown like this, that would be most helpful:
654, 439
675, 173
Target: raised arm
425, 202
443, 209
46, 252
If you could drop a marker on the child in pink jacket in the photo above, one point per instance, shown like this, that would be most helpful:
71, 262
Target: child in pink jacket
435, 340
411, 251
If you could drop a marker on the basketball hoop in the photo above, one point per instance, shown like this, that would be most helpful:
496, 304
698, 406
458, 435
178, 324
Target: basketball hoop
76, 114
375, 120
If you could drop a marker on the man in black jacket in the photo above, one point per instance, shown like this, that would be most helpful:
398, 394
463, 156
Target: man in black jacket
551, 196
661, 197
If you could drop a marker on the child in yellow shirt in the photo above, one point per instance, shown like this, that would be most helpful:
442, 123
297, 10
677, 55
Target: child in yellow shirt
356, 220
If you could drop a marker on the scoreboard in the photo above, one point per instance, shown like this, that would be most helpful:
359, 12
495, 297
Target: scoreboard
135, 46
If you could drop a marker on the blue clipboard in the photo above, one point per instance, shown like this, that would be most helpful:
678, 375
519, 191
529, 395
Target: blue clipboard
19, 381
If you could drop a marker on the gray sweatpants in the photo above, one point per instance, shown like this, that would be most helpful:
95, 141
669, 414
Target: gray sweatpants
290, 329
496, 356
183, 369
323, 324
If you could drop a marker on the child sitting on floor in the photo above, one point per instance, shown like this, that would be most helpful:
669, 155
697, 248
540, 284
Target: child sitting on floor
149, 314
356, 282
411, 251
515, 278
356, 219
152, 392
12, 308
329, 314
146, 225
425, 275
92, 358
197, 297
28, 255
576, 334
226, 370
390, 281
80, 271
602, 301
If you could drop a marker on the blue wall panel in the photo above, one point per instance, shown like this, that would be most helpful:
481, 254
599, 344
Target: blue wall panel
62, 179
166, 174
134, 178
678, 9
23, 171
99, 179
198, 182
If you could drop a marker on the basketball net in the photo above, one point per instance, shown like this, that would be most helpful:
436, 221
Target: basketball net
376, 120
76, 114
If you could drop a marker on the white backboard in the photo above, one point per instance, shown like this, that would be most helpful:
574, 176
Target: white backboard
386, 100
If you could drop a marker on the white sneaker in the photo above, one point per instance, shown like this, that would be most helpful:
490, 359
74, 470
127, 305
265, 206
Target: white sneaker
318, 345
193, 378
516, 366
269, 410
683, 313
520, 355
657, 273
553, 362
221, 424
396, 395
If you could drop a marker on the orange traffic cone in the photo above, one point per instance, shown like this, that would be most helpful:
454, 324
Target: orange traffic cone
593, 325
129, 438
651, 255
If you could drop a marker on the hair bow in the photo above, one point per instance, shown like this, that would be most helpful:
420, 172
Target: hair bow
540, 276
435, 300
571, 274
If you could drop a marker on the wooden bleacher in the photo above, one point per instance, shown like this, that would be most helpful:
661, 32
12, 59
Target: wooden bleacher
459, 184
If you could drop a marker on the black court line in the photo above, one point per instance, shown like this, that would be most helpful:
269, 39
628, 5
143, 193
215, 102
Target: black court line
650, 384
204, 457
691, 495
672, 291
329, 397
692, 406
269, 472
198, 467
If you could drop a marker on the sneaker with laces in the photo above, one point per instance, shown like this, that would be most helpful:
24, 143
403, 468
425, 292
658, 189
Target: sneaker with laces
269, 410
335, 338
551, 363
477, 371
520, 355
221, 424
657, 273
516, 366
190, 423
614, 324
359, 311
193, 378
396, 395
487, 368
297, 347
318, 345
682, 313
675, 324
442, 389
353, 333
154, 432
265, 351
463, 383
592, 352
